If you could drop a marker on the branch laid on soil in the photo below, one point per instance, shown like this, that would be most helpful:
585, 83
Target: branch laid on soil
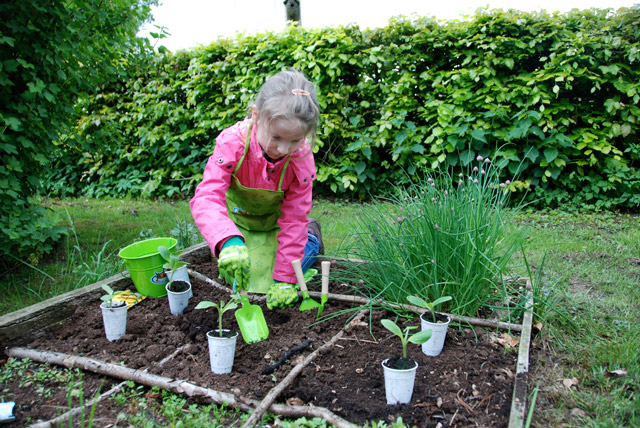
456, 318
76, 410
267, 402
365, 301
201, 277
126, 373
174, 385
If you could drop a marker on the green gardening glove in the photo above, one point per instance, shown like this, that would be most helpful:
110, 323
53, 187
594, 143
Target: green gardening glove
234, 263
281, 295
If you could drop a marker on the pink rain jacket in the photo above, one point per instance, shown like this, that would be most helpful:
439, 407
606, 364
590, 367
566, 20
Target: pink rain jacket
209, 209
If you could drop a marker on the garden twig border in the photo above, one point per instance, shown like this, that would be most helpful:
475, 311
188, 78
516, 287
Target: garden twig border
273, 394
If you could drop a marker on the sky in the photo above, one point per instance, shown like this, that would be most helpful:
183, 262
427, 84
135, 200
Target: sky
192, 23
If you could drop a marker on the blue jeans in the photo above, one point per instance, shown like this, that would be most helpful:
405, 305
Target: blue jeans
310, 252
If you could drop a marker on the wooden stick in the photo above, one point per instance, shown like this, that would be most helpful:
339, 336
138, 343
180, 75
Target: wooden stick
365, 301
456, 318
126, 373
267, 401
76, 410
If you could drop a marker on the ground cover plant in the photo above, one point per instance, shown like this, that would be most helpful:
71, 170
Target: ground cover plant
586, 271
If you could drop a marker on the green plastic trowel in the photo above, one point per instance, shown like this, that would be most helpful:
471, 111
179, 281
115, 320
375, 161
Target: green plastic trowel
251, 320
307, 302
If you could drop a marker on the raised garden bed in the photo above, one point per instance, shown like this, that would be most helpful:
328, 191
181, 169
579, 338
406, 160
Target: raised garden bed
470, 384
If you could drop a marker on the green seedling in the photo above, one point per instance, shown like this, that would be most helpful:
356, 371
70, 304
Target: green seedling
172, 260
110, 295
430, 306
221, 308
417, 338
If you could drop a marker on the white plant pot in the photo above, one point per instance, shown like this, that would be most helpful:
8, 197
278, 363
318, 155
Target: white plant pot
433, 346
182, 274
222, 351
398, 384
178, 301
115, 321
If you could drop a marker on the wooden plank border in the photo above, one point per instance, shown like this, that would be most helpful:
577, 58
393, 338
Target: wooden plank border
24, 325
520, 385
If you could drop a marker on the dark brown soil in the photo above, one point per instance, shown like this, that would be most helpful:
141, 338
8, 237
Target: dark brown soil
469, 384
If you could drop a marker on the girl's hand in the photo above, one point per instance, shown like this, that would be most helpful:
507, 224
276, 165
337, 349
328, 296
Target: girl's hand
234, 263
281, 295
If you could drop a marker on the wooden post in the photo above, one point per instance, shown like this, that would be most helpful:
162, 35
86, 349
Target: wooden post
292, 12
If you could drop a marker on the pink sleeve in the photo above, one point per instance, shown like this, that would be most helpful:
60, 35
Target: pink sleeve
208, 206
294, 220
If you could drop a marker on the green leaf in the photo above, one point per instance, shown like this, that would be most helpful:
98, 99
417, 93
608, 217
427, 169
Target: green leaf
466, 157
417, 148
417, 301
550, 153
532, 153
205, 304
401, 136
392, 327
479, 134
421, 337
164, 253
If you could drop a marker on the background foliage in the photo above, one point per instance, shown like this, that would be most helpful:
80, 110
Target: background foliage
52, 52
553, 98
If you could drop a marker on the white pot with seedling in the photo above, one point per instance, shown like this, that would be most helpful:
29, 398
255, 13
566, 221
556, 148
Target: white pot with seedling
431, 320
178, 290
400, 372
114, 314
222, 342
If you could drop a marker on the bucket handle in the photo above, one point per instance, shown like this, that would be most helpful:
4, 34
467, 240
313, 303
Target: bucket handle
122, 271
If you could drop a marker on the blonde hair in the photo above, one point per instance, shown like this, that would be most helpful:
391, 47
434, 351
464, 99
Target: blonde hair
289, 95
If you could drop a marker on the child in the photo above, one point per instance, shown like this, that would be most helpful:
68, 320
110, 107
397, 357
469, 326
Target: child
252, 204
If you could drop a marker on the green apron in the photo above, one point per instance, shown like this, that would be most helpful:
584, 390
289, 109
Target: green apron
256, 212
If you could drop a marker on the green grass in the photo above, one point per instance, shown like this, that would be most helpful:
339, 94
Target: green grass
588, 263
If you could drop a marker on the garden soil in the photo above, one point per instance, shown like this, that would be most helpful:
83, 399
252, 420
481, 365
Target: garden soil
469, 384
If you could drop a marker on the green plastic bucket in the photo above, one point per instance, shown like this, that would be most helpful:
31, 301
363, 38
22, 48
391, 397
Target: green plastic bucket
144, 263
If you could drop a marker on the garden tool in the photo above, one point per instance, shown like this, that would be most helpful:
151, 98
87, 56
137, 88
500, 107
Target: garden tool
325, 286
250, 319
307, 302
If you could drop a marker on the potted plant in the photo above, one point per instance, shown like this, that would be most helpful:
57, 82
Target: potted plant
222, 342
114, 314
400, 371
431, 320
178, 290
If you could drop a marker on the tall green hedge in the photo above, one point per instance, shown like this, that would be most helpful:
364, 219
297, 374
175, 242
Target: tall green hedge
552, 98
51, 53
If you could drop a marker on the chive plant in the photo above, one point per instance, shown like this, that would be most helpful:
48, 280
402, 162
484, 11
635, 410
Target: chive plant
446, 235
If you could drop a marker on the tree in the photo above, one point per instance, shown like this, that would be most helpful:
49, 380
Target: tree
292, 11
50, 54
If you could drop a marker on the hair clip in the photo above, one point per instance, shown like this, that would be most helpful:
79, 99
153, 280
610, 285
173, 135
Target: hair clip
299, 92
